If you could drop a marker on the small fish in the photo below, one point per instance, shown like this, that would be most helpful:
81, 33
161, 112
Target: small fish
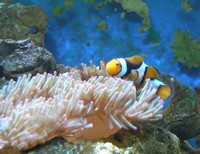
33, 30
136, 69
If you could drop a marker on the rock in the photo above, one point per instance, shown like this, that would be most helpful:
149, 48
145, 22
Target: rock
150, 140
23, 56
6, 1
21, 22
3, 82
182, 115
60, 68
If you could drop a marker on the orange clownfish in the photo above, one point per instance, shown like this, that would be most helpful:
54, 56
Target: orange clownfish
134, 67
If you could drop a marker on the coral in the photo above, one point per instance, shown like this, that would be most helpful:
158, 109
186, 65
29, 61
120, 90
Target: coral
185, 49
83, 103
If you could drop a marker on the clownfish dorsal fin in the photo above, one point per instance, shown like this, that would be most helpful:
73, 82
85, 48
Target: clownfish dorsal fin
152, 72
135, 60
164, 91
134, 75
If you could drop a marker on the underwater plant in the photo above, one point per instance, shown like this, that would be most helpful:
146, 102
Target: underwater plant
152, 36
137, 6
74, 105
140, 8
58, 10
185, 4
186, 50
101, 25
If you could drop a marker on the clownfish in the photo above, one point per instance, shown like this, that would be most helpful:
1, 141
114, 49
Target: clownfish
134, 67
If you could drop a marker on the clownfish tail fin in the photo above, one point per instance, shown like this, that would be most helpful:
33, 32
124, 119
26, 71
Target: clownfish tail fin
164, 90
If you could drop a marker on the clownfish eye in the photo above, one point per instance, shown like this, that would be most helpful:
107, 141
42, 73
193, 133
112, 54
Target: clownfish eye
117, 64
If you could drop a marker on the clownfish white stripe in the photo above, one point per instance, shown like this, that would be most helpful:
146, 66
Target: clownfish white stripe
140, 71
157, 83
124, 67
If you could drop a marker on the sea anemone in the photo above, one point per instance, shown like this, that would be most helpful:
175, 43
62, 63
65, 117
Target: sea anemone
80, 104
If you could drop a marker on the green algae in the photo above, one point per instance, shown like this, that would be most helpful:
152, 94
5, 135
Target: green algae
153, 36
58, 10
101, 25
186, 50
140, 8
8, 2
137, 6
99, 4
68, 4
122, 15
185, 4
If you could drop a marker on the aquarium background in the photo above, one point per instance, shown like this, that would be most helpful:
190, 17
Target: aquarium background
82, 33
75, 37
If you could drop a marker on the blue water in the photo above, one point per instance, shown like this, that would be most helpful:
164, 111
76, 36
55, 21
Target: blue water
68, 35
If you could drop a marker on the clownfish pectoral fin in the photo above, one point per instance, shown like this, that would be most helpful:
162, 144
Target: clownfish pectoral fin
135, 60
134, 75
151, 72
164, 91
